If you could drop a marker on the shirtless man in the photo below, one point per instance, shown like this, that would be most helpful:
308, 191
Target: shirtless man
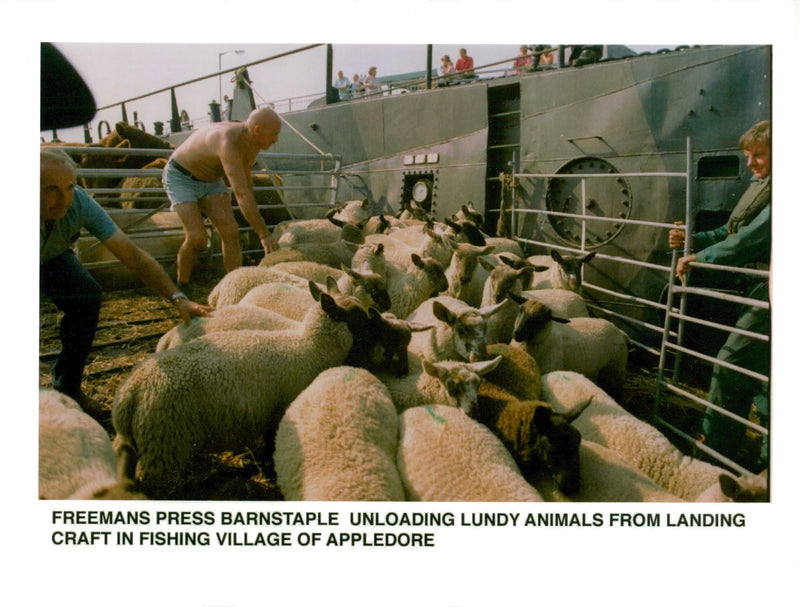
193, 180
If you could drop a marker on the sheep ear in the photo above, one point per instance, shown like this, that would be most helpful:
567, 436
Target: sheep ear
485, 366
336, 222
365, 203
508, 261
588, 257
417, 261
330, 285
441, 312
489, 310
540, 268
525, 274
315, 290
379, 248
559, 319
556, 255
431, 369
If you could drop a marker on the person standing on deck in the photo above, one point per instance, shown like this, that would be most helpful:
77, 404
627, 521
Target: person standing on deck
64, 209
193, 180
744, 241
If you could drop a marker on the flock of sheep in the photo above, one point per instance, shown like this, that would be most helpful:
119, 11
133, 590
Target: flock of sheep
387, 358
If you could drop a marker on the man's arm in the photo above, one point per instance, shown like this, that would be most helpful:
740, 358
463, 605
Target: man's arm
152, 274
242, 185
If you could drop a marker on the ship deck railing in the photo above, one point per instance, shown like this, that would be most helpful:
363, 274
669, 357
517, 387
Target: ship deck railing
673, 310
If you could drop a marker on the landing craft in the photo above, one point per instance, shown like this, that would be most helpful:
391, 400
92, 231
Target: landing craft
671, 112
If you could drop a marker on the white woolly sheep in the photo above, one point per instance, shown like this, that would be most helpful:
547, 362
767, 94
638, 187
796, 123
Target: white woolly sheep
565, 273
449, 382
562, 303
334, 254
328, 230
605, 422
230, 318
459, 333
409, 287
224, 390
503, 282
288, 300
745, 488
446, 456
594, 347
236, 283
338, 441
606, 477
76, 459
465, 276
424, 240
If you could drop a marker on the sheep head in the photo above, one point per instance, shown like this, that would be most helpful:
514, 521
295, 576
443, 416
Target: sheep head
569, 266
533, 319
385, 342
370, 288
504, 280
434, 271
557, 447
469, 329
461, 380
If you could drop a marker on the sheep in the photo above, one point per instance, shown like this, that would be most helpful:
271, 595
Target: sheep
383, 224
338, 440
594, 347
383, 344
565, 273
288, 300
606, 423
236, 283
503, 282
328, 230
446, 456
224, 390
76, 459
401, 244
562, 303
538, 439
606, 477
409, 287
459, 333
352, 211
449, 382
469, 213
229, 318
334, 254
464, 275
746, 488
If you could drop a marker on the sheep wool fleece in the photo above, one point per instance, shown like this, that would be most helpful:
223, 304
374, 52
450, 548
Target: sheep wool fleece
338, 440
444, 455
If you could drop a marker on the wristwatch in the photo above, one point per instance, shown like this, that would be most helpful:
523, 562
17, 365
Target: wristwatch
178, 295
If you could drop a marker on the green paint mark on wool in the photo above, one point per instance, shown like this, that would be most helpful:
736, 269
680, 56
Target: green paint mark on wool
434, 415
350, 374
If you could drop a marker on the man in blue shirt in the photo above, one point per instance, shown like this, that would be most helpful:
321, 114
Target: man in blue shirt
64, 210
745, 240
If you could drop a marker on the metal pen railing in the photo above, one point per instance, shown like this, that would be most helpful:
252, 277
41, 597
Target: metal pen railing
671, 340
315, 174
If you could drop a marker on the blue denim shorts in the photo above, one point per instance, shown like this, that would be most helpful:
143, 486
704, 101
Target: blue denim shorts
181, 187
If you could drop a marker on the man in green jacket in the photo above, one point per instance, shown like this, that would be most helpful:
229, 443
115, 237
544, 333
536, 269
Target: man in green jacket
745, 240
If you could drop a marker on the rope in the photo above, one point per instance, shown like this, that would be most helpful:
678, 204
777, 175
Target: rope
286, 122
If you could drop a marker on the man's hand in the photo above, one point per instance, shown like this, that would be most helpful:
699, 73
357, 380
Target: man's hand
269, 243
188, 309
677, 237
684, 266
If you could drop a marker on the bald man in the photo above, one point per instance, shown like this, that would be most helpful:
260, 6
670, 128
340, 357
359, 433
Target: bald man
193, 180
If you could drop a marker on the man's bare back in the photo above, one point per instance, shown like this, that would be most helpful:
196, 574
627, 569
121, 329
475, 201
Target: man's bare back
200, 153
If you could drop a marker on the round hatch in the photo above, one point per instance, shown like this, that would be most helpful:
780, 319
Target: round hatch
606, 198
